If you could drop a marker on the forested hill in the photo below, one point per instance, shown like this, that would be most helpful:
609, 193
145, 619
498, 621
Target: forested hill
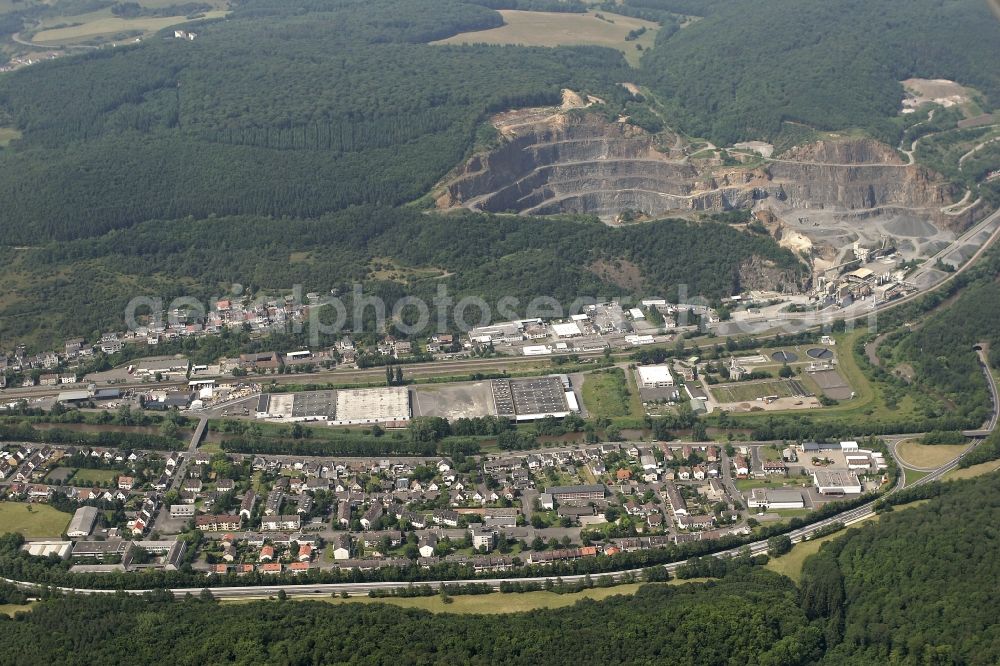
302, 107
286, 108
918, 587
921, 587
832, 64
391, 251
747, 619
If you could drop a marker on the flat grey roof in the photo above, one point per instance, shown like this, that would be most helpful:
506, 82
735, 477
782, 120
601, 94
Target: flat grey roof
561, 490
538, 395
315, 404
783, 495
83, 521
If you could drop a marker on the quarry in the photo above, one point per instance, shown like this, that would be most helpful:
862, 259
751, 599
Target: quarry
825, 200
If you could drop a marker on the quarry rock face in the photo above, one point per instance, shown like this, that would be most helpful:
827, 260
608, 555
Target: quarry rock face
585, 164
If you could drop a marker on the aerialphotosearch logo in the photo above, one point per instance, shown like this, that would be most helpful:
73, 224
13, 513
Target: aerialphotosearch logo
333, 314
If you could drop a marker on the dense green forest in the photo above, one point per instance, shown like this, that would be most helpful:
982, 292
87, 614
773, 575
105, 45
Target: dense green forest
493, 256
917, 587
299, 108
748, 66
282, 109
750, 618
940, 348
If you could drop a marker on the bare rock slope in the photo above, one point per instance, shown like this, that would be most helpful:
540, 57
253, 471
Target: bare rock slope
582, 163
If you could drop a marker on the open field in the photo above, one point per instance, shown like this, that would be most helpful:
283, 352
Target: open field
987, 467
604, 395
109, 26
32, 520
926, 455
83, 476
10, 609
750, 391
8, 134
564, 29
496, 603
912, 476
745, 485
790, 564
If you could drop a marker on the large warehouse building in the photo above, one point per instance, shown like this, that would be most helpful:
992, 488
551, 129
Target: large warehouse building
533, 399
83, 522
775, 498
836, 482
389, 405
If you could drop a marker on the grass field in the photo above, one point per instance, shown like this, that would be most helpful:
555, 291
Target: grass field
32, 520
746, 485
912, 476
496, 603
84, 476
606, 394
8, 134
790, 564
10, 609
564, 29
100, 26
974, 471
926, 455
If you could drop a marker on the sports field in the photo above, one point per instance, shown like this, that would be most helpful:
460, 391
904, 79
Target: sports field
32, 520
749, 391
86, 476
564, 29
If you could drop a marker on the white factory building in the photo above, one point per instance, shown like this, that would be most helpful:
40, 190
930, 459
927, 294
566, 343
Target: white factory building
655, 376
568, 330
836, 482
775, 498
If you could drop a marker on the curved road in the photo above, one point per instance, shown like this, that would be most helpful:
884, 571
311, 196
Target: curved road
848, 517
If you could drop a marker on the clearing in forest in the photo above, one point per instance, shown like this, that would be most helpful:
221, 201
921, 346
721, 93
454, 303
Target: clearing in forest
565, 29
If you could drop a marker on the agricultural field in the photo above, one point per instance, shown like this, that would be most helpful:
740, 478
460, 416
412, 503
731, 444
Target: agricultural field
97, 25
750, 391
790, 564
10, 609
32, 520
927, 455
565, 29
